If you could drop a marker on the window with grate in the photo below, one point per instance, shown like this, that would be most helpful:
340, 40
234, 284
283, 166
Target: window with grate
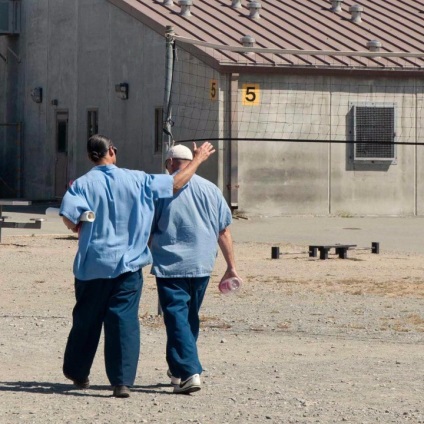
10, 17
374, 132
92, 122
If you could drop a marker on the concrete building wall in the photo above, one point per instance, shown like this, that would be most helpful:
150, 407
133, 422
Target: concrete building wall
289, 177
48, 47
77, 52
379, 187
419, 150
277, 177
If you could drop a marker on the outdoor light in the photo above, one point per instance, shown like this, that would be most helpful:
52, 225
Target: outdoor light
121, 90
37, 94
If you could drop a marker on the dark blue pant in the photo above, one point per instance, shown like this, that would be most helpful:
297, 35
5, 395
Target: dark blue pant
113, 303
180, 300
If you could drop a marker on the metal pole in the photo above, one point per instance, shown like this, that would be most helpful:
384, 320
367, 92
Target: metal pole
167, 107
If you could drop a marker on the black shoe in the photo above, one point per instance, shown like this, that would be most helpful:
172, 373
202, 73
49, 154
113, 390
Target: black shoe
79, 384
121, 391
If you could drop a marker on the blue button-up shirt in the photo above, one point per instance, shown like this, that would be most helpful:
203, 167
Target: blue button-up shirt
186, 228
123, 201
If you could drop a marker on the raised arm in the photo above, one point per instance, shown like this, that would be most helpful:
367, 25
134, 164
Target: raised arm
200, 155
225, 242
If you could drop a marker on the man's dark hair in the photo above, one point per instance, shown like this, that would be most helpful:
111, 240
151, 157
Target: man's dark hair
97, 146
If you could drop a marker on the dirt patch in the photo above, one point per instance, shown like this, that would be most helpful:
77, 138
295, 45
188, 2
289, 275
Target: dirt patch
305, 341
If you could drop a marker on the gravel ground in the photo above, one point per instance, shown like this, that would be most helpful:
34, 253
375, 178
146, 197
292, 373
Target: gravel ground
305, 341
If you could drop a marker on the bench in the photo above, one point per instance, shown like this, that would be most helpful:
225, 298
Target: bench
10, 224
341, 250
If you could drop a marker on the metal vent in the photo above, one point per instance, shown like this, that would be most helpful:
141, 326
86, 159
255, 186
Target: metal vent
10, 17
185, 8
336, 6
374, 128
356, 11
254, 7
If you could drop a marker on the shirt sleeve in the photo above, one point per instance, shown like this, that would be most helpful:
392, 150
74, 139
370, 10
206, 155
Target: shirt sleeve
161, 185
73, 204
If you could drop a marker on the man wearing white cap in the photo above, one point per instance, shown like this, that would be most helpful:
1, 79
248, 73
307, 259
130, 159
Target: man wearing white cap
186, 231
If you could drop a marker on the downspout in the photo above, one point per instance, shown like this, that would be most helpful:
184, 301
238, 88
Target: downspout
167, 107
167, 139
233, 185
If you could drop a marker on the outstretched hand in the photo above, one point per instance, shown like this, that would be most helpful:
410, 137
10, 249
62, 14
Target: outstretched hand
203, 152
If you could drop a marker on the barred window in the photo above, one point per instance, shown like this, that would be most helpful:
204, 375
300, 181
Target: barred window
374, 132
92, 122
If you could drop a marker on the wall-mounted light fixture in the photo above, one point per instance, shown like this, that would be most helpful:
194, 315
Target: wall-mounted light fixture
54, 102
121, 90
37, 94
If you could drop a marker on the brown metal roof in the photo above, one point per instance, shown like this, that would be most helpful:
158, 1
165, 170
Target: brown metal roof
308, 25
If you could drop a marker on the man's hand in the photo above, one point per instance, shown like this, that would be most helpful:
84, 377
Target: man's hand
203, 152
70, 225
230, 273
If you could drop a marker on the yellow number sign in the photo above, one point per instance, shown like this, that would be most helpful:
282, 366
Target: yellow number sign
251, 95
213, 89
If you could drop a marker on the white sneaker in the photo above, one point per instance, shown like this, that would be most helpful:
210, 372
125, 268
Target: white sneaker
175, 381
192, 384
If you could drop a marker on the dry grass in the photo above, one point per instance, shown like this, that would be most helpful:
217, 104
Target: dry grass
353, 286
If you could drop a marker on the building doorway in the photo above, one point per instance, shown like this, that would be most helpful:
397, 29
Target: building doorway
61, 166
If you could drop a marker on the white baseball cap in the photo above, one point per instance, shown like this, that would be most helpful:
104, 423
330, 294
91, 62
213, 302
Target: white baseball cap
179, 152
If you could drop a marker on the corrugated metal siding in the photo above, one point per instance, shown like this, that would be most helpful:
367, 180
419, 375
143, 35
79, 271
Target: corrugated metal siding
293, 24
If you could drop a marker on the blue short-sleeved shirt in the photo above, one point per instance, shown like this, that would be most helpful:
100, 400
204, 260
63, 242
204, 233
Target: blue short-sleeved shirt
123, 201
186, 228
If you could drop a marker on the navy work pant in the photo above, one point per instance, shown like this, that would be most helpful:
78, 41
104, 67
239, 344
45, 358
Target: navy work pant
113, 303
180, 300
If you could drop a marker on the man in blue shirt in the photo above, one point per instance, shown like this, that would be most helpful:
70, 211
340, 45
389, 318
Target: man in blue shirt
111, 252
185, 235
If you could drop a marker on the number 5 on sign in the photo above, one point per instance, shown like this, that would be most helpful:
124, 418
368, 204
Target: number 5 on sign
250, 94
213, 89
